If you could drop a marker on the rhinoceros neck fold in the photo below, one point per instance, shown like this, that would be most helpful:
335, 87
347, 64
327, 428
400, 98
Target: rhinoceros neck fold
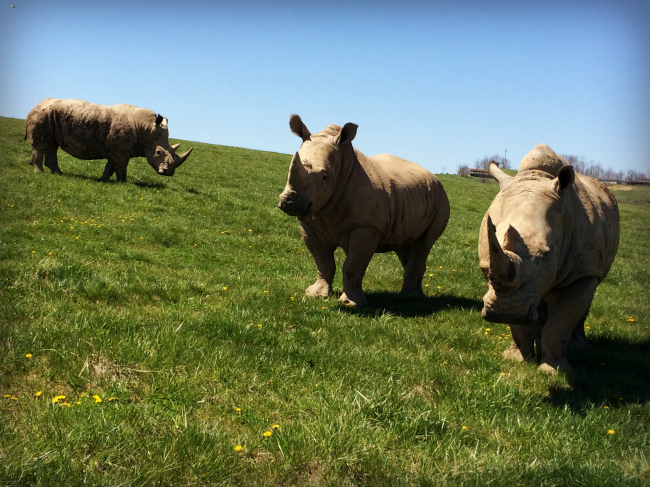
349, 162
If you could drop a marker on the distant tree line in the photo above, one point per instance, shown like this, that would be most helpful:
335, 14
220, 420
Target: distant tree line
580, 165
595, 170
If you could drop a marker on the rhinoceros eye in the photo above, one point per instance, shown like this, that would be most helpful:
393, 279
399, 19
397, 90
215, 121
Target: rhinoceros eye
324, 176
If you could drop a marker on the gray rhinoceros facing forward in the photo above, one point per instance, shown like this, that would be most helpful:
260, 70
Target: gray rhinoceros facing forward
88, 131
547, 240
362, 204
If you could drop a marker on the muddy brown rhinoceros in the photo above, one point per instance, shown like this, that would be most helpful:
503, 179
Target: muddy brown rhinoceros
89, 131
362, 204
547, 240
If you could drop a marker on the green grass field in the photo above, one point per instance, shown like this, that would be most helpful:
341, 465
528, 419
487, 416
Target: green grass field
178, 303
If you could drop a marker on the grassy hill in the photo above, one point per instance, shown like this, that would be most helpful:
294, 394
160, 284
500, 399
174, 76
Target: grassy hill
178, 303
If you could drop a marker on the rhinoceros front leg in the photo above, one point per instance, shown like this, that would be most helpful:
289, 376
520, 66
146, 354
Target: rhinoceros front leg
522, 347
324, 256
567, 307
109, 169
362, 244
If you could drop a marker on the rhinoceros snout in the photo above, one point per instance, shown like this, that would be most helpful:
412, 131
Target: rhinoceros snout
293, 205
494, 315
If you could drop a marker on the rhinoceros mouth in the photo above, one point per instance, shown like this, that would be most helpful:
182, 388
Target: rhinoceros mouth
296, 209
496, 315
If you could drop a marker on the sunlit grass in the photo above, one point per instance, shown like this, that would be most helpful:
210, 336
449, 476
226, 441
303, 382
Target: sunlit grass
170, 314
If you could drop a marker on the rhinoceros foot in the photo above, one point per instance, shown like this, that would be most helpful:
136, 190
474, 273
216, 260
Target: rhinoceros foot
552, 368
320, 289
354, 299
513, 353
412, 293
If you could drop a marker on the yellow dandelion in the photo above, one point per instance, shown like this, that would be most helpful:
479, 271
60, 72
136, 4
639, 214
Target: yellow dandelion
239, 448
266, 292
7, 395
605, 407
292, 298
225, 288
629, 318
67, 404
267, 433
38, 393
430, 275
250, 229
97, 398
33, 251
463, 427
260, 325
302, 250
440, 267
196, 245
56, 399
610, 432
426, 285
503, 374
141, 238
250, 246
13, 398
49, 253
78, 402
276, 426
83, 394
238, 410
28, 355
439, 287
112, 399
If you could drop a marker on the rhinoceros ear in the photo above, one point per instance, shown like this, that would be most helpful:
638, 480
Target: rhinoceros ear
159, 119
348, 133
299, 128
565, 178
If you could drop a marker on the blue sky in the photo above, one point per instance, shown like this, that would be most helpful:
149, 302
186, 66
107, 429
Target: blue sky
438, 83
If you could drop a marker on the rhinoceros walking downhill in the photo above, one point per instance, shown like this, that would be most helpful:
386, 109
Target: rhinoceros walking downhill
547, 240
362, 204
89, 131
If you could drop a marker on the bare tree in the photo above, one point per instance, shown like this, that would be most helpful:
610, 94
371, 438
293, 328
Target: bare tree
463, 170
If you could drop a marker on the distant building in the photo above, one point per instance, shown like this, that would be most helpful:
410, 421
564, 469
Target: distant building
610, 181
640, 182
479, 173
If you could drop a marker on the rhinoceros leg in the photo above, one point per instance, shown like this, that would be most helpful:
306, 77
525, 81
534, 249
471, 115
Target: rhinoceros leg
362, 244
523, 343
36, 159
566, 308
324, 256
109, 169
51, 160
414, 259
578, 337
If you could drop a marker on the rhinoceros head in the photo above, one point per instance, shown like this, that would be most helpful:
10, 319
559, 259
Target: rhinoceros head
523, 237
313, 173
160, 155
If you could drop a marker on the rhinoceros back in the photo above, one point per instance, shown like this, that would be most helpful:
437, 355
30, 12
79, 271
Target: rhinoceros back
414, 197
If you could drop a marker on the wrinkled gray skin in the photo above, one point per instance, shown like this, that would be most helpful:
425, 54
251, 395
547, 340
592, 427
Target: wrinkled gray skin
362, 204
547, 240
89, 131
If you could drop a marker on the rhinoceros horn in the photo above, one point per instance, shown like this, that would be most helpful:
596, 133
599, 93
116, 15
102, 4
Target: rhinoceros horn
295, 178
178, 160
502, 178
503, 268
175, 146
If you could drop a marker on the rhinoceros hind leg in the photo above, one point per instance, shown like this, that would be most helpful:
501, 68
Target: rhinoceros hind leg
362, 244
522, 347
109, 169
36, 160
414, 261
323, 254
52, 161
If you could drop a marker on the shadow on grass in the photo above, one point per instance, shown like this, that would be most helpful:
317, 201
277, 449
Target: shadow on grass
614, 371
409, 307
140, 184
